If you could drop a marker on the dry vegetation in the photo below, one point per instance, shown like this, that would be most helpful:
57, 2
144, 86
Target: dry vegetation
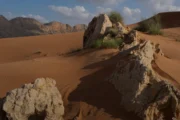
151, 26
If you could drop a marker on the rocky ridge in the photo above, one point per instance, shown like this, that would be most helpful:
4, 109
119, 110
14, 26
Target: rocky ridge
28, 27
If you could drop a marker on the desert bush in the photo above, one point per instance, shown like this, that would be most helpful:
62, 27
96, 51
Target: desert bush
115, 17
151, 26
113, 43
97, 43
113, 32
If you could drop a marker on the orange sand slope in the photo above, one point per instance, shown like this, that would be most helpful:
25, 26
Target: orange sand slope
80, 76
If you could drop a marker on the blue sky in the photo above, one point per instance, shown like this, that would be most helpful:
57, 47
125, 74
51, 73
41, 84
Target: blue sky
82, 11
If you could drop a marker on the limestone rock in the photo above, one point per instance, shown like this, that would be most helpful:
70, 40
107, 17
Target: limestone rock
142, 91
131, 37
121, 28
96, 29
40, 100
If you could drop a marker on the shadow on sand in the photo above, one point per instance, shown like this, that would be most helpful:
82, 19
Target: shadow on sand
96, 91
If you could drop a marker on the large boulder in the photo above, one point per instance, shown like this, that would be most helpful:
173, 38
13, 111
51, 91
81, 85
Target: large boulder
96, 29
40, 100
143, 91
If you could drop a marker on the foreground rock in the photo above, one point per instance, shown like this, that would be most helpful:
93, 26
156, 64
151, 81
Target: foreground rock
40, 100
142, 91
96, 29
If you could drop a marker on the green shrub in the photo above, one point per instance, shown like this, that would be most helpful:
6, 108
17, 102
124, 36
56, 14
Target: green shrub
151, 26
113, 43
97, 43
155, 29
115, 17
113, 32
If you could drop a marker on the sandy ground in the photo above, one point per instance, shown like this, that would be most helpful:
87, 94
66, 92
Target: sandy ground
81, 77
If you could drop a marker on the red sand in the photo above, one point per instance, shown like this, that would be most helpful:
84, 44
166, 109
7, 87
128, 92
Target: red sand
80, 76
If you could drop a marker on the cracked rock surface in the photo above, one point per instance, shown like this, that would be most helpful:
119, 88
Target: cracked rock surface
142, 91
40, 100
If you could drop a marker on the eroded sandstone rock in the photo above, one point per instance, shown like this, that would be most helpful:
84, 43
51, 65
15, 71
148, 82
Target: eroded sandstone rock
142, 91
96, 29
40, 100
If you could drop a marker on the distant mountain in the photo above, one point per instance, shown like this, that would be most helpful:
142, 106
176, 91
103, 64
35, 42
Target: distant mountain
29, 27
79, 27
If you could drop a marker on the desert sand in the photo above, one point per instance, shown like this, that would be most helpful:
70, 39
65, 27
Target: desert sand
81, 76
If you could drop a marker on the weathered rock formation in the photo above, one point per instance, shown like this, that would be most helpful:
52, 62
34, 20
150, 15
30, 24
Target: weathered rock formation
38, 101
96, 29
57, 27
21, 26
79, 27
142, 91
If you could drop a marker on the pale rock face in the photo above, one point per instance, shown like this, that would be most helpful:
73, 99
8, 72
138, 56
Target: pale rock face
121, 28
39, 100
142, 91
96, 29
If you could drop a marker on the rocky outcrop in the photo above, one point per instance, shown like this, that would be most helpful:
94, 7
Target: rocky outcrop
121, 29
40, 100
96, 29
142, 91
57, 27
79, 27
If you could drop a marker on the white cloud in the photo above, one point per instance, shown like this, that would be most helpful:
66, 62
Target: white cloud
131, 15
8, 15
37, 17
103, 2
157, 6
102, 10
77, 14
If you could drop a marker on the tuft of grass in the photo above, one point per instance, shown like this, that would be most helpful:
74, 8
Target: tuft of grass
97, 43
151, 26
113, 32
115, 17
155, 29
113, 43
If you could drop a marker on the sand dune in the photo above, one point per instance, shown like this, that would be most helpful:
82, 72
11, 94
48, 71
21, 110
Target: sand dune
168, 20
80, 76
23, 48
